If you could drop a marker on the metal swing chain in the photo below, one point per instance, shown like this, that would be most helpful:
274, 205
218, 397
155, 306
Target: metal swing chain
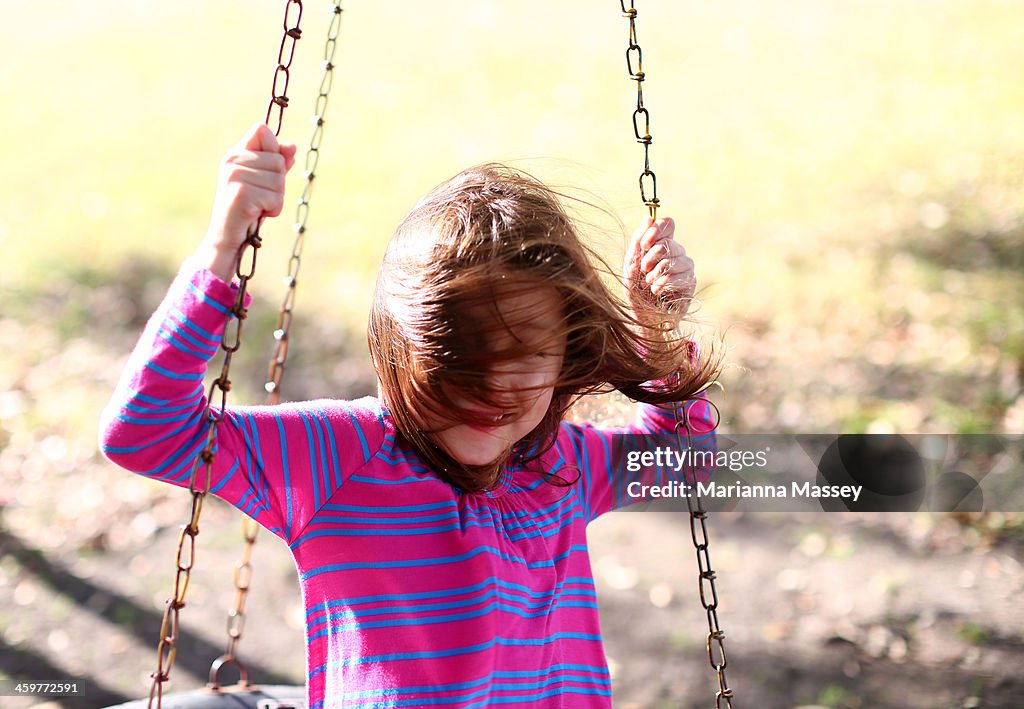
275, 369
706, 575
698, 515
635, 54
167, 648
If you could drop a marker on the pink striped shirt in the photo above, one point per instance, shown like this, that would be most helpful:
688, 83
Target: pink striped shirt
415, 593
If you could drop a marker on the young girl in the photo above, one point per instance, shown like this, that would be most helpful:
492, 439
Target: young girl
439, 531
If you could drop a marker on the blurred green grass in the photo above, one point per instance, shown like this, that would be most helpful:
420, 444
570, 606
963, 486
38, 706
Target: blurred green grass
840, 171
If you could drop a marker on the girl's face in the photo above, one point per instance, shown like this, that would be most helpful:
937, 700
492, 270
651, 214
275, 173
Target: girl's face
524, 385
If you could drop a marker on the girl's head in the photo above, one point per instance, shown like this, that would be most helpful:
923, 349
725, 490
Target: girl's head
490, 318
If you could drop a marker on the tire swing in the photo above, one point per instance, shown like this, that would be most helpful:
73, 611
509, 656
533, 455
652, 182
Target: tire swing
243, 694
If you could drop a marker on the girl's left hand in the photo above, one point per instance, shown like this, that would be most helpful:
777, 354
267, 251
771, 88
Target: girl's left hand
657, 269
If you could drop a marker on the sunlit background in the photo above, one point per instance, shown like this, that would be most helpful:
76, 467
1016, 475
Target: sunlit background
846, 175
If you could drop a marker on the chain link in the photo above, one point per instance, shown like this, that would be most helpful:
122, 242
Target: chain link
275, 369
705, 573
698, 515
241, 577
282, 73
231, 340
641, 116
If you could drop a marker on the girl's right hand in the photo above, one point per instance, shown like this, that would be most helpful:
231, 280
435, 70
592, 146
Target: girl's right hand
250, 185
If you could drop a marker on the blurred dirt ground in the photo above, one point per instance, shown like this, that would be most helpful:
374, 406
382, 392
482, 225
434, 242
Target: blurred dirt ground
847, 611
893, 610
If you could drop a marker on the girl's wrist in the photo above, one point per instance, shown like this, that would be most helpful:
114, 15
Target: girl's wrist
220, 260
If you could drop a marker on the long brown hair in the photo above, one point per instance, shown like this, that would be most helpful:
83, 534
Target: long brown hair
458, 248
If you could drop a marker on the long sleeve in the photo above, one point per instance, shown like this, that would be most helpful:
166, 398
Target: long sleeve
278, 465
599, 453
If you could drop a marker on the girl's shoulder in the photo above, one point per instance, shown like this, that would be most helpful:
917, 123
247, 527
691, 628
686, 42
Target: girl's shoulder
364, 423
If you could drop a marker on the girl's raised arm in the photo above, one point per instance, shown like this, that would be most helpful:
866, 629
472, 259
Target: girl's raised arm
277, 464
657, 273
